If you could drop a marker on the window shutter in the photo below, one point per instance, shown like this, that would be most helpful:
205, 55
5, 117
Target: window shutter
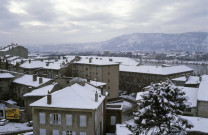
68, 119
42, 118
55, 132
82, 121
51, 119
42, 131
59, 119
63, 132
83, 133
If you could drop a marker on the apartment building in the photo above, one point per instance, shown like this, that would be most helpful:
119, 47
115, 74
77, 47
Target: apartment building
74, 110
27, 83
99, 70
135, 78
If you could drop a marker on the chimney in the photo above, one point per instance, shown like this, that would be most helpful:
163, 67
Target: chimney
34, 77
200, 78
96, 96
90, 60
88, 80
102, 91
40, 80
29, 60
187, 77
49, 98
47, 64
111, 59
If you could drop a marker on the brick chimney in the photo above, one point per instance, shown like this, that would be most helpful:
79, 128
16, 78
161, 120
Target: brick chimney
96, 96
34, 77
111, 59
29, 60
40, 80
49, 98
88, 80
90, 60
102, 91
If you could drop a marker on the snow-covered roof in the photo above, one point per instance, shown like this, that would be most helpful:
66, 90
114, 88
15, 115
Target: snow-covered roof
94, 83
121, 129
75, 97
52, 64
28, 80
43, 91
155, 69
200, 124
182, 79
6, 75
203, 89
193, 80
95, 61
191, 93
120, 60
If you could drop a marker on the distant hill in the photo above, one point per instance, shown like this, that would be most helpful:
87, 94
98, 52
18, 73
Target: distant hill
191, 41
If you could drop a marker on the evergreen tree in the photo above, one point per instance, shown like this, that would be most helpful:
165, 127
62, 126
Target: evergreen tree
160, 110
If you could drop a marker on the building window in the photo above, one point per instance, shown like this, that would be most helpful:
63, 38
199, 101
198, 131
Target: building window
42, 118
97, 67
108, 87
83, 121
55, 119
113, 120
68, 119
55, 132
108, 80
83, 133
42, 131
108, 73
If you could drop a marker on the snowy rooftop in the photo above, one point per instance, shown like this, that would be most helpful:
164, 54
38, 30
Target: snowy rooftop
200, 124
95, 61
28, 80
191, 93
6, 75
203, 89
75, 96
182, 79
43, 91
52, 64
94, 83
121, 129
193, 80
120, 60
155, 69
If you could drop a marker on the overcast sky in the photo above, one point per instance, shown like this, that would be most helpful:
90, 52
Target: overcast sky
65, 21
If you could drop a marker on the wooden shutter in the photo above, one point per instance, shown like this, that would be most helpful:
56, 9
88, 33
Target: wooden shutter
63, 132
82, 121
42, 118
51, 118
59, 119
42, 131
68, 119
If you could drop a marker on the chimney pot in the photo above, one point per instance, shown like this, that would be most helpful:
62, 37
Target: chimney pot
34, 77
88, 80
40, 80
90, 60
49, 99
96, 96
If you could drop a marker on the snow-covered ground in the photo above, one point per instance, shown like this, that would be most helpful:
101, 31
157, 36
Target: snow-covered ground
14, 127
